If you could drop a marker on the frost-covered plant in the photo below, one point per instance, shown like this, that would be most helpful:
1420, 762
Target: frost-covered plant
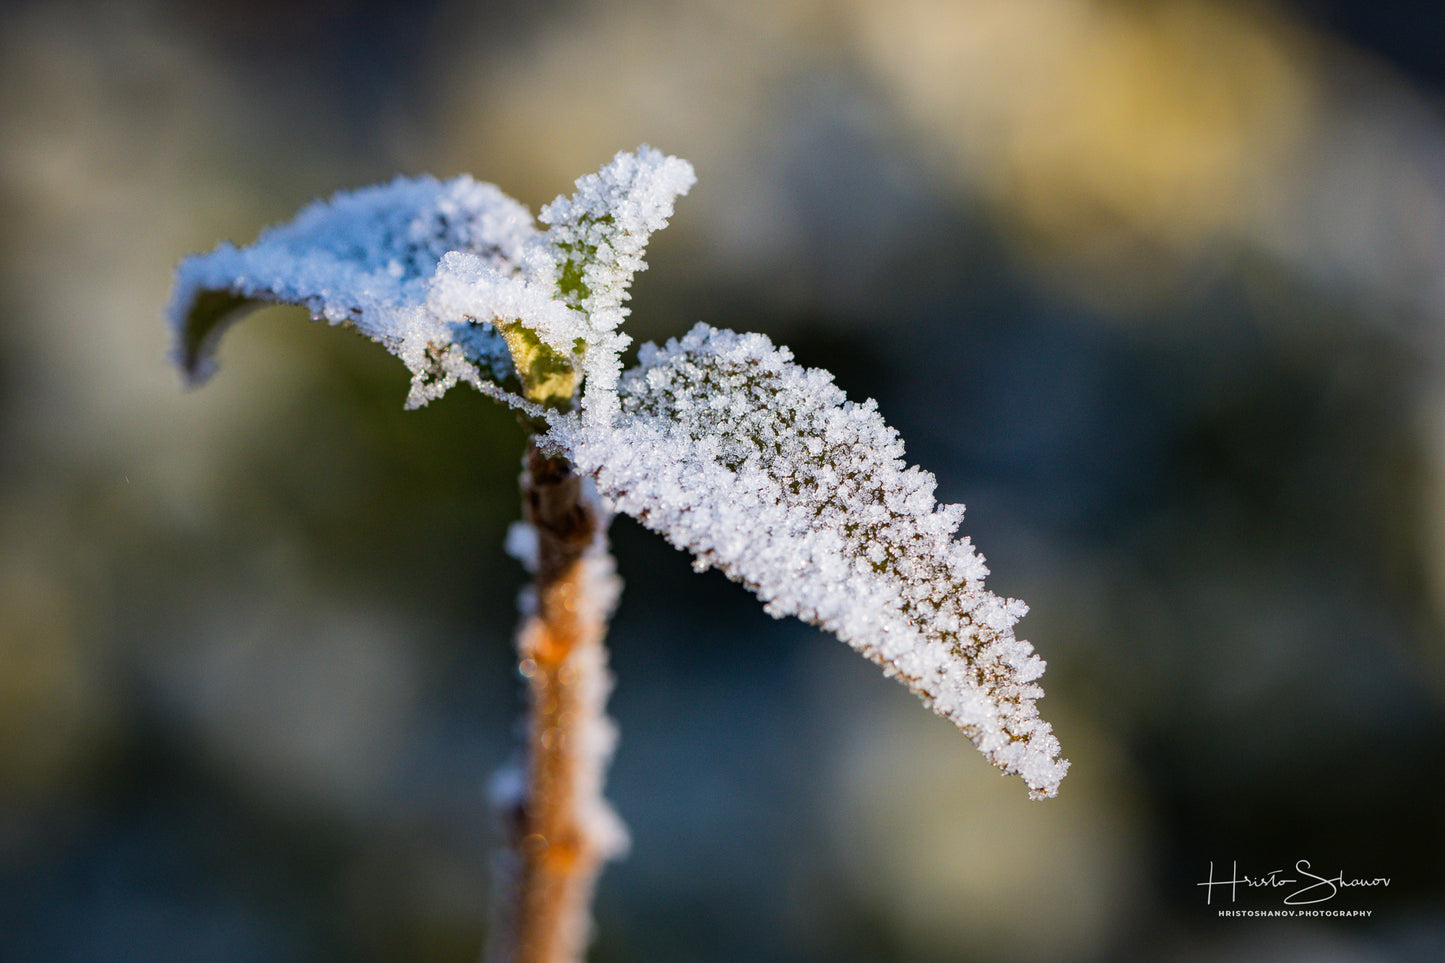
717, 441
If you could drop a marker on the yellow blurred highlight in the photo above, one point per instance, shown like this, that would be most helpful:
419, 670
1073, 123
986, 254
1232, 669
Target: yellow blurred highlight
1102, 126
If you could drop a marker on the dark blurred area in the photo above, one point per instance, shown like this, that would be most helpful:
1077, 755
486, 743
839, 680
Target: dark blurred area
1155, 288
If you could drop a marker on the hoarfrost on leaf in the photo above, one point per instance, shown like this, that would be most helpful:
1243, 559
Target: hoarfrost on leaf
765, 470
366, 259
454, 278
754, 464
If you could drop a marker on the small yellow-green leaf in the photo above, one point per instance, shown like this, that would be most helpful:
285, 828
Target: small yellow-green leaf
548, 377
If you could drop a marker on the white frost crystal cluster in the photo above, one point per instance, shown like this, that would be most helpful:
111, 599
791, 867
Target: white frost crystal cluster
599, 235
718, 441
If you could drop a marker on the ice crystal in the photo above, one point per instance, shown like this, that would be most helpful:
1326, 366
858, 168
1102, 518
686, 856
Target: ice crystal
765, 470
718, 441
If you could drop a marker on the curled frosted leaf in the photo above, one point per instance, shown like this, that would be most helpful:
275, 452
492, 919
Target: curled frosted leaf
454, 279
369, 259
596, 239
765, 470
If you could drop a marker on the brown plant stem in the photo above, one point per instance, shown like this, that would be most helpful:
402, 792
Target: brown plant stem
559, 827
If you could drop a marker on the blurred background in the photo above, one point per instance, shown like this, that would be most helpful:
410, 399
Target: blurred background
1155, 288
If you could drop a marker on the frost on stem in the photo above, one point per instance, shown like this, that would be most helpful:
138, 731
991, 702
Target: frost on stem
763, 469
558, 827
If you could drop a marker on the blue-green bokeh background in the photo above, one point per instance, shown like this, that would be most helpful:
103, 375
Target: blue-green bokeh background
1156, 289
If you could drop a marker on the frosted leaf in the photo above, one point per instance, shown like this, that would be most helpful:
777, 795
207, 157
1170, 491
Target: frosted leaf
369, 260
765, 470
454, 279
718, 441
596, 240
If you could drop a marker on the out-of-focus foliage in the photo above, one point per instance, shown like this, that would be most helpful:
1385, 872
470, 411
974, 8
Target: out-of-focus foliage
1175, 267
